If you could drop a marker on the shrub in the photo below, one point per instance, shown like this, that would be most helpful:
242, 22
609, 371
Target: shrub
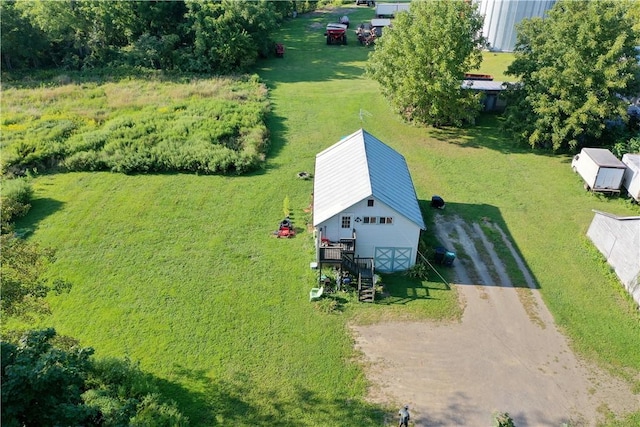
502, 419
327, 305
15, 200
419, 270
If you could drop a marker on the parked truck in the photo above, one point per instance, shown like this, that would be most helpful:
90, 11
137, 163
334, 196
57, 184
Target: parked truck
600, 169
631, 179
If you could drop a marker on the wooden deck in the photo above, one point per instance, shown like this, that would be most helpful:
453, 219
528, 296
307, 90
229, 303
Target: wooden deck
331, 252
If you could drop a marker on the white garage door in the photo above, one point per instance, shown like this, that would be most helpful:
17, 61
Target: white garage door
392, 259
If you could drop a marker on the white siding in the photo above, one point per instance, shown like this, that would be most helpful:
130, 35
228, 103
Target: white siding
402, 233
618, 239
502, 16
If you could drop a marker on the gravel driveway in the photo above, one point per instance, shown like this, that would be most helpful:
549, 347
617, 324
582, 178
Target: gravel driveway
505, 355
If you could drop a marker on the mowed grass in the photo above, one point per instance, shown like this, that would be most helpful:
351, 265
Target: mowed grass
181, 272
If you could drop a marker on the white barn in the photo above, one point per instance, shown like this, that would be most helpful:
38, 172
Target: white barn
364, 202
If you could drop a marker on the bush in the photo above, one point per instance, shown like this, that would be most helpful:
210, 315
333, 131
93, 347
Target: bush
15, 200
419, 270
502, 419
206, 126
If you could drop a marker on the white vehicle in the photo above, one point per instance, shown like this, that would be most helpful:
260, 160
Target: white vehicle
390, 10
631, 179
600, 169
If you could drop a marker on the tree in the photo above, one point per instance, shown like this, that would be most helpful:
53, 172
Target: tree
48, 380
22, 44
23, 280
43, 385
229, 35
573, 68
420, 62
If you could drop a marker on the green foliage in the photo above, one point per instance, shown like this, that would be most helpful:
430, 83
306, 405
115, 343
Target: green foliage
572, 67
327, 305
502, 419
15, 200
48, 381
43, 385
197, 125
420, 270
624, 147
286, 207
193, 35
23, 281
421, 61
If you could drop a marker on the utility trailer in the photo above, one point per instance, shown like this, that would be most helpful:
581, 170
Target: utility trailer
601, 171
631, 179
336, 33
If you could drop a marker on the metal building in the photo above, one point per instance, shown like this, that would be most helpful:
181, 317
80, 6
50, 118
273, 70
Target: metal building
502, 16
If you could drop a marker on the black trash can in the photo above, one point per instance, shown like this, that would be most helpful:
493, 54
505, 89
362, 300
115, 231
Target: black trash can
437, 202
439, 255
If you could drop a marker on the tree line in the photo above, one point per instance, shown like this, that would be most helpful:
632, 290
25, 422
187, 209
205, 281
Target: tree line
189, 35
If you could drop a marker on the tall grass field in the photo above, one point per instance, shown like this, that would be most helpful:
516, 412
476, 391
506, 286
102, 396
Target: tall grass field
181, 271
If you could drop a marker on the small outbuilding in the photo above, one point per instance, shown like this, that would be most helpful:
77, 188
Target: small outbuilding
492, 99
365, 204
618, 239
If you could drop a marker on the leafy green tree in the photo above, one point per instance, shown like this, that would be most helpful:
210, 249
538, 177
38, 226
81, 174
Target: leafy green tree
572, 69
22, 44
23, 280
43, 385
229, 35
420, 62
48, 380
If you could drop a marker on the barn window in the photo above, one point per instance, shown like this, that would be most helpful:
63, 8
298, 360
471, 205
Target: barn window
386, 220
346, 222
370, 202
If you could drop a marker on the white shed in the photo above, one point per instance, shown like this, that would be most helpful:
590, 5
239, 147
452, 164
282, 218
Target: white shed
618, 239
363, 194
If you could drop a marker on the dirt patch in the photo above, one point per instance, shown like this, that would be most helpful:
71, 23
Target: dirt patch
331, 14
506, 354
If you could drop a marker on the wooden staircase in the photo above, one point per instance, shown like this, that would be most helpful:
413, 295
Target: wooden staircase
363, 269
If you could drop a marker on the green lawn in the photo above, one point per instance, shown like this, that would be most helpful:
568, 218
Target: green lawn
181, 272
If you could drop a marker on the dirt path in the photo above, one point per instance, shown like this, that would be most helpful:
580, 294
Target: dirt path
505, 355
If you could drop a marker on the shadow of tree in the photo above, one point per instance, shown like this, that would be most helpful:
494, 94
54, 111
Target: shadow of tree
220, 402
40, 209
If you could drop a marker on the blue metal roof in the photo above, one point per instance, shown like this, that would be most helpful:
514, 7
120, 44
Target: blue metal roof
361, 166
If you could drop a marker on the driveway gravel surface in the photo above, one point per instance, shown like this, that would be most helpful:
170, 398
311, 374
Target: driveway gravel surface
506, 354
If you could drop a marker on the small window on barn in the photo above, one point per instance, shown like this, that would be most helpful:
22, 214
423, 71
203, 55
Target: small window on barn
365, 220
386, 220
370, 202
346, 222
372, 220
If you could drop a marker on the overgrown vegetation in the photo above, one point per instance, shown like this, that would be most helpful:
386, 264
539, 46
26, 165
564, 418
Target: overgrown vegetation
192, 35
15, 201
49, 380
185, 124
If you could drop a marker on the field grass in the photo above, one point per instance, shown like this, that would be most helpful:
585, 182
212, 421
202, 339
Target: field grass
151, 123
181, 271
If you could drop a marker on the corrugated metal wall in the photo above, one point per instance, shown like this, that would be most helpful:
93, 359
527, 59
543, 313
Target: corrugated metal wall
618, 239
501, 17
